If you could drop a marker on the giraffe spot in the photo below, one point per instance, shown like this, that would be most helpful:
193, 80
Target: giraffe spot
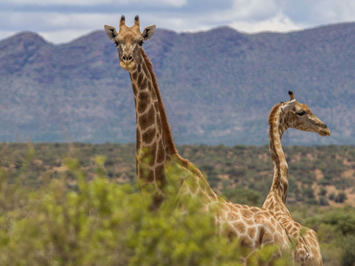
135, 91
138, 141
254, 209
140, 78
143, 85
240, 227
293, 230
251, 232
249, 221
279, 228
148, 136
139, 68
144, 96
134, 75
147, 119
143, 104
247, 213
233, 216
161, 153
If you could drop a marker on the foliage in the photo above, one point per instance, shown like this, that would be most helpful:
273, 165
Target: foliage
336, 233
56, 211
99, 222
315, 172
243, 196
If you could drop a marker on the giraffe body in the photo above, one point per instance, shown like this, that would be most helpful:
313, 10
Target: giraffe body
155, 149
255, 227
299, 116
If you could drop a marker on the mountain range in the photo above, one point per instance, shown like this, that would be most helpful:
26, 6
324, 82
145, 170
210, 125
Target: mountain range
218, 86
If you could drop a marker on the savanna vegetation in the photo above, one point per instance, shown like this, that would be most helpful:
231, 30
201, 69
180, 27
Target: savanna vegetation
87, 211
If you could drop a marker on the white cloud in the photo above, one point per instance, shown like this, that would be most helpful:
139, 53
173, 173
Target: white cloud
64, 24
318, 12
278, 23
253, 9
174, 3
330, 10
6, 34
63, 36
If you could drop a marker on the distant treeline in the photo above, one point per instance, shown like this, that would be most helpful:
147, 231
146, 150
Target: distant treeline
320, 175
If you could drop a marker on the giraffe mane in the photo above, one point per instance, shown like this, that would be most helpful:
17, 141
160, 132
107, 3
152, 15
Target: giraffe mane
168, 137
273, 114
165, 124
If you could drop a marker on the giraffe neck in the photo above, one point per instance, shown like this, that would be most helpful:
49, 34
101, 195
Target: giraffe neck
168, 136
151, 147
278, 126
164, 140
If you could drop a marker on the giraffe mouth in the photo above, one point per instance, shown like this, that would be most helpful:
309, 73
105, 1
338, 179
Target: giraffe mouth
324, 132
128, 66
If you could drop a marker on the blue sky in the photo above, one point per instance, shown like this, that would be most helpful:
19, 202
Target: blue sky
60, 21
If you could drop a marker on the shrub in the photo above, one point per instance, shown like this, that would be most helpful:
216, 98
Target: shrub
97, 222
340, 198
243, 196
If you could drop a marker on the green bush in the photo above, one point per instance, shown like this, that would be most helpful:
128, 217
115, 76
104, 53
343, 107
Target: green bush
98, 222
243, 196
336, 233
341, 197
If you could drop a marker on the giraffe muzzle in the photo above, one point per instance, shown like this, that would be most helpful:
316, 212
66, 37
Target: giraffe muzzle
324, 131
127, 65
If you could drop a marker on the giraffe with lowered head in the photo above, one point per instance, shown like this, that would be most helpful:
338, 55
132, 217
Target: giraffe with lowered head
291, 114
156, 150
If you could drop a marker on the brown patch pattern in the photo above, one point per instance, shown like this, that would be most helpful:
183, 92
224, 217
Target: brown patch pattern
147, 119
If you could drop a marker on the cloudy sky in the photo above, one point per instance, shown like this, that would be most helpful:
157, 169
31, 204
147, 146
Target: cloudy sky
60, 21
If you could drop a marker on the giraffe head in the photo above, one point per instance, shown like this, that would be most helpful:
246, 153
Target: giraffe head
298, 115
129, 41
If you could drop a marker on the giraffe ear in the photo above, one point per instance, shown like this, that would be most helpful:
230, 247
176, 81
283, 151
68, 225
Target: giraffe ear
110, 31
288, 105
148, 32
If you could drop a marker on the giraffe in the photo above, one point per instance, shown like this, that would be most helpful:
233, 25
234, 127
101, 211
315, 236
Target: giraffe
156, 150
282, 116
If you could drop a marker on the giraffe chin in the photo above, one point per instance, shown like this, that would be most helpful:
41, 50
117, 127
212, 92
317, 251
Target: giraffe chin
129, 67
324, 132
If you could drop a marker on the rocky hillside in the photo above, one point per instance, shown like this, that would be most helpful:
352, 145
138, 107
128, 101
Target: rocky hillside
218, 86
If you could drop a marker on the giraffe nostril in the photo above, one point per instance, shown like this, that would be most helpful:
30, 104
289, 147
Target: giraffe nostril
127, 58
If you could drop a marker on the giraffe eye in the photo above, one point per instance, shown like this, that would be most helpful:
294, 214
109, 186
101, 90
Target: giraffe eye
116, 43
301, 113
141, 43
